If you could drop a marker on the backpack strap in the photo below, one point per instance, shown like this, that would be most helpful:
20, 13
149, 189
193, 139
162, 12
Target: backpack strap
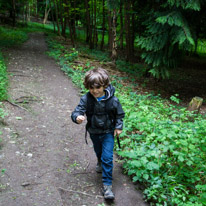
86, 135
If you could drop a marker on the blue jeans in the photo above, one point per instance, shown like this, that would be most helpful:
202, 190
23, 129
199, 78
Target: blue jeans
103, 147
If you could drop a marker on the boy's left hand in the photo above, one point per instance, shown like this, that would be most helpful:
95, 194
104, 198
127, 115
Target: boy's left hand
117, 132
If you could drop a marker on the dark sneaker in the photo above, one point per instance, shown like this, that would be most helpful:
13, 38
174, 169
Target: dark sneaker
107, 192
99, 167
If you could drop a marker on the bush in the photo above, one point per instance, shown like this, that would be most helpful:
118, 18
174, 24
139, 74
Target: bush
164, 149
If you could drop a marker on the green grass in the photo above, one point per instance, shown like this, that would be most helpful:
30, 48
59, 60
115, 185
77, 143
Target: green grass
10, 37
14, 37
201, 48
37, 27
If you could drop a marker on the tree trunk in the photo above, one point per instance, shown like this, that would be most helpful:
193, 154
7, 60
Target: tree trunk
121, 28
63, 18
133, 33
46, 13
13, 13
110, 40
87, 21
95, 21
103, 25
127, 30
57, 17
114, 35
28, 12
52, 15
91, 43
196, 39
74, 20
70, 24
36, 10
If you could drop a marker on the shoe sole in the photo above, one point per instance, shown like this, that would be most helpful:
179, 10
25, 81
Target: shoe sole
109, 198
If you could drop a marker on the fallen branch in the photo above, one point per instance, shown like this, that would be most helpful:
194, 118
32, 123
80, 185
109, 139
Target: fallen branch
87, 165
83, 193
27, 99
20, 75
79, 173
89, 186
16, 105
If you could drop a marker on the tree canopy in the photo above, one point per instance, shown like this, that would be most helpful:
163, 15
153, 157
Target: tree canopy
161, 31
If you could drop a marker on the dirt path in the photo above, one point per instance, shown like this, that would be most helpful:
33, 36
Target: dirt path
45, 156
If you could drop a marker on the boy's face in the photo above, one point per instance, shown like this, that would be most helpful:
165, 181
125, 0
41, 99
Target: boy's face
97, 91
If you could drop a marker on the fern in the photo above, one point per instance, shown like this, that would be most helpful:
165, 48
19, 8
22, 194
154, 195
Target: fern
190, 4
167, 31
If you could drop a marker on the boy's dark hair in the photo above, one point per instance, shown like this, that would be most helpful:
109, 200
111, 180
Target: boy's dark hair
96, 78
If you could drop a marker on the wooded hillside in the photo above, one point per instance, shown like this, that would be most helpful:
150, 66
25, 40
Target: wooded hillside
161, 32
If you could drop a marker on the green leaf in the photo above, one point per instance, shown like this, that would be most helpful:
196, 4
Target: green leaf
146, 176
152, 166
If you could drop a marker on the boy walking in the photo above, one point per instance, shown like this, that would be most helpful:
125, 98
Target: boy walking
104, 121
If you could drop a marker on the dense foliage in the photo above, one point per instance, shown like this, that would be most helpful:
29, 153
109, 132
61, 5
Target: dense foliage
163, 145
164, 148
169, 32
161, 32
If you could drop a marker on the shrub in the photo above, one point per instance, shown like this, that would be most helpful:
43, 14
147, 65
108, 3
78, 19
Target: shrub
164, 149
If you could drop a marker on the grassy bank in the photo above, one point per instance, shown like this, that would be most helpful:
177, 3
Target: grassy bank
10, 37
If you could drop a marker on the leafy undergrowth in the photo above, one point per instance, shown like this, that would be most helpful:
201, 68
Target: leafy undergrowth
163, 144
3, 79
10, 37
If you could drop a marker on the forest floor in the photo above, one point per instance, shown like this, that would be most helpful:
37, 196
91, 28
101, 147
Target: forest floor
44, 153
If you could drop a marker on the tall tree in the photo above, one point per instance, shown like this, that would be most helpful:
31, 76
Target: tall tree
113, 6
13, 12
167, 33
121, 25
127, 11
46, 13
87, 13
91, 43
103, 24
52, 15
95, 35
110, 40
57, 16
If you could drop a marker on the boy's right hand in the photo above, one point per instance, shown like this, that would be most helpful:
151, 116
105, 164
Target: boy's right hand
80, 119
